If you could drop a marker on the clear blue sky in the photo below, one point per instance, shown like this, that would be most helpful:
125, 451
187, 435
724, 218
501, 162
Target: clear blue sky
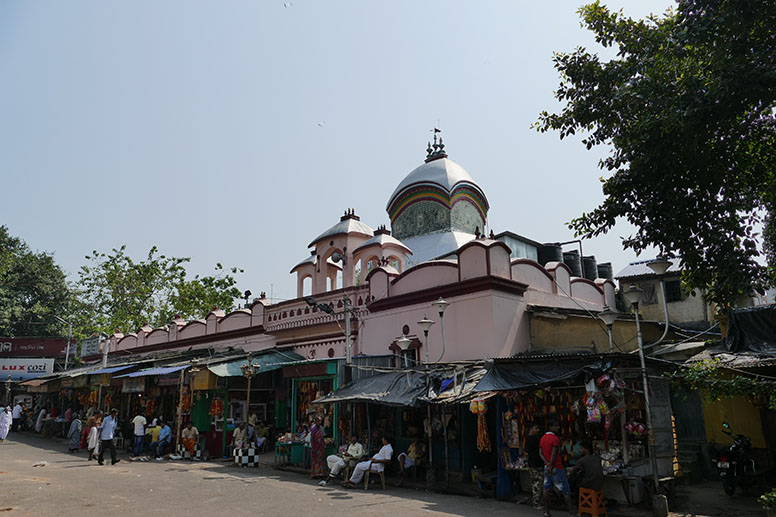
238, 131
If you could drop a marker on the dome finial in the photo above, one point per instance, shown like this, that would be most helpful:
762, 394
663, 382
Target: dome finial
437, 150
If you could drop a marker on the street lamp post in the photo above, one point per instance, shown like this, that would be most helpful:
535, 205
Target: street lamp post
403, 343
249, 370
69, 338
633, 296
440, 305
608, 316
426, 324
660, 265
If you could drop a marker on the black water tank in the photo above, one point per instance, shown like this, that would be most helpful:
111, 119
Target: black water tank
591, 267
573, 261
605, 270
550, 252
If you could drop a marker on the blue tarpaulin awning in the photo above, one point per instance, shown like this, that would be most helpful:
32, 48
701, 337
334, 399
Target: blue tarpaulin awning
155, 371
112, 369
266, 362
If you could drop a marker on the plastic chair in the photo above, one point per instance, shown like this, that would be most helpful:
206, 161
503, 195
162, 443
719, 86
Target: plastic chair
591, 502
366, 478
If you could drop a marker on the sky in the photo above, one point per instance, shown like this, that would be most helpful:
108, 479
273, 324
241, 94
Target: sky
237, 131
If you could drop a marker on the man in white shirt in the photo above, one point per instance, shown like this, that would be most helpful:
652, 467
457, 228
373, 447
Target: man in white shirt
107, 429
351, 456
139, 423
16, 415
375, 464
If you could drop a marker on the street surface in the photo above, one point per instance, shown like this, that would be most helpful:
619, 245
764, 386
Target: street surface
71, 485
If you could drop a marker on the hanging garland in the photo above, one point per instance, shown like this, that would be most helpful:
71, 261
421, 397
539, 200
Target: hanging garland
186, 403
714, 383
479, 407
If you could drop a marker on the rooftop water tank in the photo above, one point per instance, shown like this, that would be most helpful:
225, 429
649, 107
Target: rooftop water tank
605, 270
574, 262
591, 267
550, 252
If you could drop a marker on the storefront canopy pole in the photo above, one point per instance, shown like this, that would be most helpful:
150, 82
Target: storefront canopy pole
180, 409
447, 455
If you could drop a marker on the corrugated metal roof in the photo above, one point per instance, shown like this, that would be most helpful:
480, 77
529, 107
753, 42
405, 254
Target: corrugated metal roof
112, 369
154, 371
640, 268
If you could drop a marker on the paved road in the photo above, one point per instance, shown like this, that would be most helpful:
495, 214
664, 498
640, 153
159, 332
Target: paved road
71, 485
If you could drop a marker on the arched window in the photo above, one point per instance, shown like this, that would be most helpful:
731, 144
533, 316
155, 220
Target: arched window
307, 286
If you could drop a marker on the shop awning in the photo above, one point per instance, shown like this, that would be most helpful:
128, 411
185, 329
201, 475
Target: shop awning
112, 369
155, 371
457, 387
402, 388
267, 362
527, 375
34, 382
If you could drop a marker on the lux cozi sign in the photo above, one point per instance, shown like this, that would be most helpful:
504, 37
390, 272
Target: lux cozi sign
21, 369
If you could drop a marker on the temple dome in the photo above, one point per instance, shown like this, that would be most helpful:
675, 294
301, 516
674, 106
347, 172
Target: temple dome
442, 172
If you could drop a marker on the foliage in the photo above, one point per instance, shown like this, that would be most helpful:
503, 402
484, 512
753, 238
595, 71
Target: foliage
118, 293
33, 290
768, 500
687, 108
714, 382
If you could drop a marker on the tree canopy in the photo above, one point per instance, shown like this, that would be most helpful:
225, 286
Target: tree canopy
33, 290
687, 110
119, 293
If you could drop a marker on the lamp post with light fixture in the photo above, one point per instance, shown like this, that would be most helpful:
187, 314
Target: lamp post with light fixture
608, 316
441, 305
659, 266
426, 325
404, 344
249, 370
633, 296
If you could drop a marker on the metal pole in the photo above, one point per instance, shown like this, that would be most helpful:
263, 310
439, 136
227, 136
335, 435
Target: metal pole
348, 349
442, 321
425, 332
180, 409
69, 338
248, 399
651, 440
104, 350
611, 340
447, 455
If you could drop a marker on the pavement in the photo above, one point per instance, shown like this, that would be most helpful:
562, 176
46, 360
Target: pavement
68, 484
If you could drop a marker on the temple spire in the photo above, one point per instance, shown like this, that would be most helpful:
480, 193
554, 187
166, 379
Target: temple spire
437, 150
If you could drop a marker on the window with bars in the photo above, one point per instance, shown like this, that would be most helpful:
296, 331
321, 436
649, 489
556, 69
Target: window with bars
673, 291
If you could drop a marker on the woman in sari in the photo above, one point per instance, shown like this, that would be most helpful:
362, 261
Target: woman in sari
6, 419
94, 436
74, 434
85, 433
39, 421
318, 444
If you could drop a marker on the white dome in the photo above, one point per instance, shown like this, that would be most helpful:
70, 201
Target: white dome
346, 225
442, 172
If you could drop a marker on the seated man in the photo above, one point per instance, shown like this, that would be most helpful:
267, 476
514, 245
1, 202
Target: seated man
350, 457
240, 437
190, 438
375, 464
413, 457
159, 447
588, 472
262, 433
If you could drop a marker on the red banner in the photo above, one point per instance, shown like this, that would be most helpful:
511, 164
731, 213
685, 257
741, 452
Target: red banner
34, 347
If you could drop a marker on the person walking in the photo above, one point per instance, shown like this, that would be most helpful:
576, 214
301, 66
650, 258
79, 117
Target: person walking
6, 420
139, 423
554, 473
318, 453
16, 415
74, 434
93, 442
107, 430
535, 464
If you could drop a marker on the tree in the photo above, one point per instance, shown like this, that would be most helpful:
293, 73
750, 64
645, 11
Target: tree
687, 108
118, 293
33, 290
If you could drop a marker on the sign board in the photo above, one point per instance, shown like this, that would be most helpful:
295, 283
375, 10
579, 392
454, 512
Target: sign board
23, 369
168, 381
133, 385
32, 347
90, 346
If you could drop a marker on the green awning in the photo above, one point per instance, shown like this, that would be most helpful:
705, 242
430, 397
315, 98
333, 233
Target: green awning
268, 362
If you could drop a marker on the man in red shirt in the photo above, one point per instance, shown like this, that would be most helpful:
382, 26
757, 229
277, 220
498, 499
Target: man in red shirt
554, 473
